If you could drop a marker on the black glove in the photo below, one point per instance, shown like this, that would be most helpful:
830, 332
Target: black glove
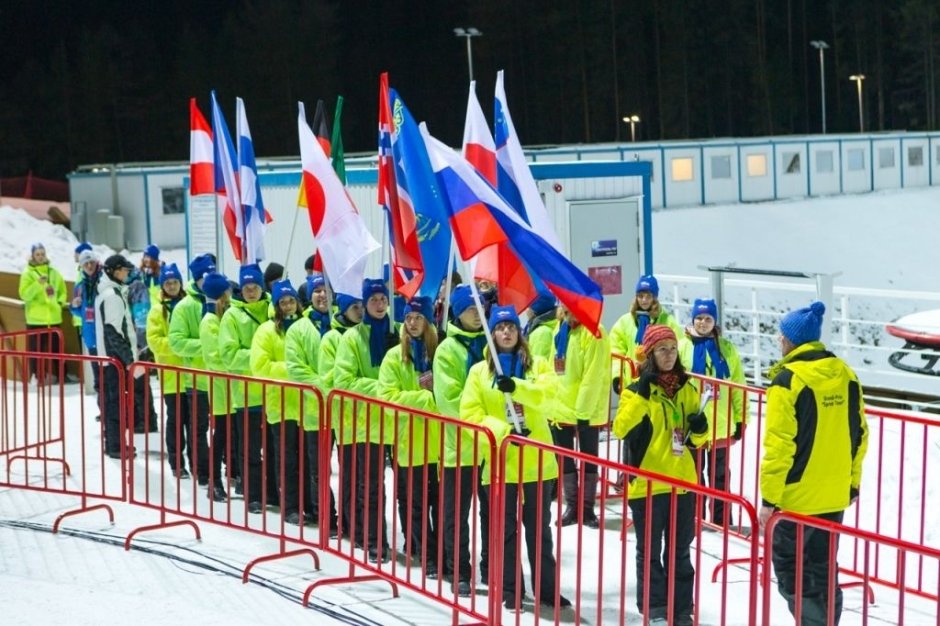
643, 384
737, 432
698, 423
505, 384
525, 432
615, 385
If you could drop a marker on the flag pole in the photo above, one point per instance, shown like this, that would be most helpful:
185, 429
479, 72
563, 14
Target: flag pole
290, 241
451, 259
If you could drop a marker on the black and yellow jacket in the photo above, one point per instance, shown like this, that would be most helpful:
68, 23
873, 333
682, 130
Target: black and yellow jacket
816, 435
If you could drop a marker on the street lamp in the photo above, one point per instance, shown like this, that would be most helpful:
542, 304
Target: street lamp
821, 45
858, 78
632, 120
468, 33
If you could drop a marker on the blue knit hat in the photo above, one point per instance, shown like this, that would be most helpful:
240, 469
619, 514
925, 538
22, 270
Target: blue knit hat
543, 303
501, 314
36, 246
281, 289
344, 301
314, 282
250, 274
648, 283
82, 247
422, 305
803, 325
214, 285
705, 306
201, 265
170, 272
372, 286
461, 299
153, 252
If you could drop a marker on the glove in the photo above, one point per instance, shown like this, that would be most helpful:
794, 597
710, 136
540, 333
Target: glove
737, 432
643, 384
505, 384
698, 423
615, 385
525, 432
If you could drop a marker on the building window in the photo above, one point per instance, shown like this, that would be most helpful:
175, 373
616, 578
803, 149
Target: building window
792, 159
172, 200
885, 158
824, 162
856, 158
721, 167
915, 156
756, 165
682, 169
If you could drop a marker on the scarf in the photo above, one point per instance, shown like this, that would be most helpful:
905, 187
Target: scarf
561, 340
321, 321
474, 346
378, 329
537, 321
285, 324
511, 365
642, 321
669, 382
708, 346
419, 356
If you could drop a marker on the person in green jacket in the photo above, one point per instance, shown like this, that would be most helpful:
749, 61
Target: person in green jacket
222, 448
178, 427
543, 321
358, 357
184, 342
529, 380
406, 378
705, 352
319, 310
814, 447
282, 406
461, 474
581, 363
660, 417
42, 290
248, 311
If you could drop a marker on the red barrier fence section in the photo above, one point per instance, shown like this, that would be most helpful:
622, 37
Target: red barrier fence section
805, 560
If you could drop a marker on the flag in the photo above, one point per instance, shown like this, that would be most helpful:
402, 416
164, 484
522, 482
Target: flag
321, 127
228, 198
514, 179
481, 217
201, 176
418, 191
403, 231
339, 160
255, 216
496, 263
342, 238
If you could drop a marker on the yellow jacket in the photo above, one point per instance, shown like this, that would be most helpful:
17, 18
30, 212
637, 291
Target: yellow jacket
158, 329
729, 411
623, 336
584, 389
268, 360
42, 308
398, 383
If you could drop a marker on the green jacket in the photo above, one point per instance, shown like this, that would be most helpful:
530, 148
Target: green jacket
482, 403
650, 425
302, 350
268, 360
418, 440
326, 361
583, 393
158, 329
540, 339
623, 337
184, 332
450, 376
43, 308
236, 330
817, 434
353, 371
729, 411
221, 387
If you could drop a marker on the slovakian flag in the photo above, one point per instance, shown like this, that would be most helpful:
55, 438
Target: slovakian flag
343, 241
255, 215
228, 197
496, 263
201, 174
481, 217
418, 193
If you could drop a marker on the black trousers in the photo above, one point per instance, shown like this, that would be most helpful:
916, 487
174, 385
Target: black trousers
716, 462
814, 602
582, 437
316, 453
287, 451
178, 429
199, 429
251, 425
111, 410
272, 432
536, 517
418, 511
656, 553
95, 365
459, 487
43, 343
225, 440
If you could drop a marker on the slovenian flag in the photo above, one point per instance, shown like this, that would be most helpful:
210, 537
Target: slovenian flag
250, 190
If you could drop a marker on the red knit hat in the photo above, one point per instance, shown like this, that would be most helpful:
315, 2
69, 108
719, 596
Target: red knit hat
654, 335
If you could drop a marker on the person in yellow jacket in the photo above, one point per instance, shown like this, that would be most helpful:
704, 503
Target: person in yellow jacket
42, 290
814, 447
529, 381
541, 325
178, 427
282, 407
659, 414
406, 378
225, 435
358, 358
705, 352
581, 363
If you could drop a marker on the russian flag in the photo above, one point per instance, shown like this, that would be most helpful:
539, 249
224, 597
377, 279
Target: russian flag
250, 188
480, 217
228, 198
201, 175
